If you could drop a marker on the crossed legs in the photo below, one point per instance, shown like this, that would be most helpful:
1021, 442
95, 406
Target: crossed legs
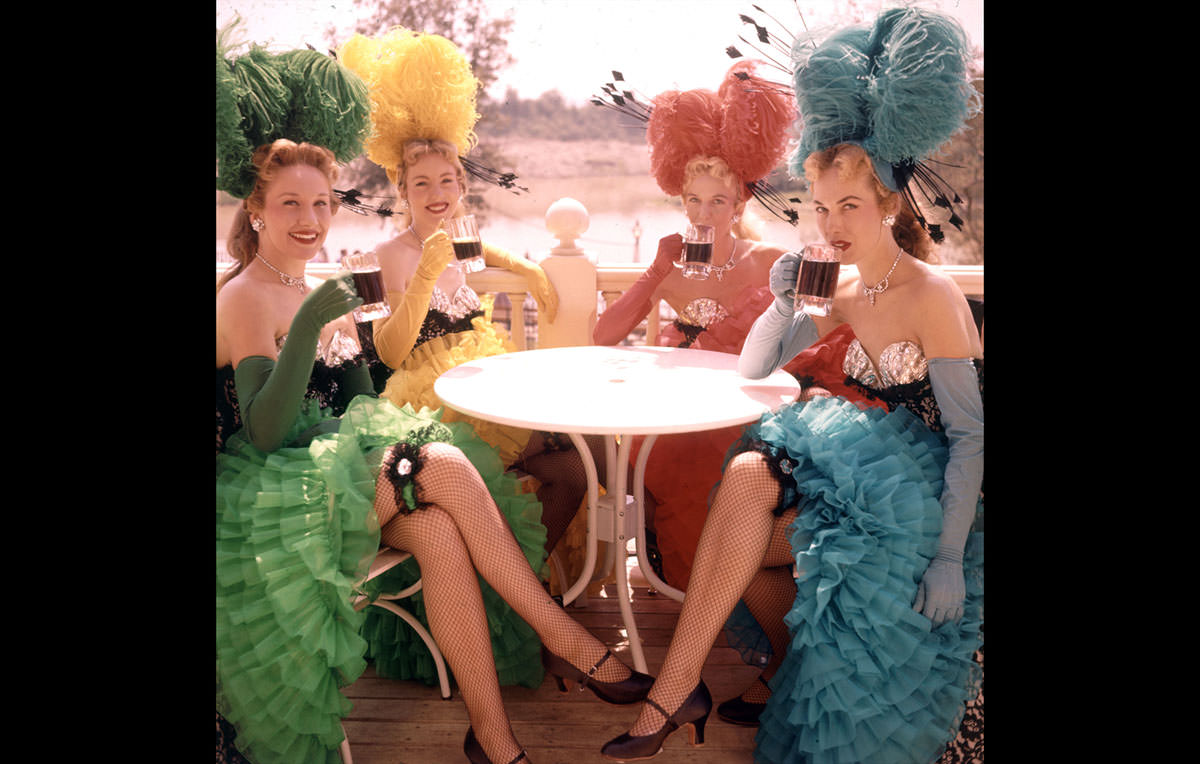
743, 552
464, 532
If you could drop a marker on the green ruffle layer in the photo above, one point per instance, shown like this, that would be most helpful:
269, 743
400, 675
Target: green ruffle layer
296, 532
398, 653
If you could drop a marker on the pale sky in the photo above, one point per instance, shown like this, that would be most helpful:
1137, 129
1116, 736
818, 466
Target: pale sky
573, 45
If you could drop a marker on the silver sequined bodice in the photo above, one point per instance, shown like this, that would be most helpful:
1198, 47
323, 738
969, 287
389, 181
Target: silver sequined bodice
341, 347
900, 363
702, 312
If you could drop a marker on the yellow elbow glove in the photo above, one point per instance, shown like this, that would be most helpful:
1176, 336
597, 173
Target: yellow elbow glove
396, 335
536, 281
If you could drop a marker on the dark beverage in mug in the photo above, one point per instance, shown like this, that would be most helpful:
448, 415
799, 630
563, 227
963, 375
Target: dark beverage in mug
465, 249
369, 285
820, 265
818, 279
368, 282
697, 252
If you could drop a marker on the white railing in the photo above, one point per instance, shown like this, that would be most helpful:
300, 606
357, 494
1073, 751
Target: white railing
578, 281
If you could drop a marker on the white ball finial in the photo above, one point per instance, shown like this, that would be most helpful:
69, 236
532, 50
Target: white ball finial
567, 220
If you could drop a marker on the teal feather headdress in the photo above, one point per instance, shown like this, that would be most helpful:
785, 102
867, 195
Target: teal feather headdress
900, 89
301, 95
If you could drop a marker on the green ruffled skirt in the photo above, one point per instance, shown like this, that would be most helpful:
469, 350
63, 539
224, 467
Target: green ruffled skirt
296, 532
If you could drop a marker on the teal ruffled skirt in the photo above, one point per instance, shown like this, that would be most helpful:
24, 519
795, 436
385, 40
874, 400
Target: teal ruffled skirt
296, 532
866, 678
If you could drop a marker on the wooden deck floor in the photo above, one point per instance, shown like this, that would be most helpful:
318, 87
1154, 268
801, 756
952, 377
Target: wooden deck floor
397, 722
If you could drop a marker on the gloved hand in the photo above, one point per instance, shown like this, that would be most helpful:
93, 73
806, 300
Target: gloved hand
536, 281
942, 590
618, 319
333, 298
436, 253
780, 333
395, 335
270, 391
782, 282
670, 249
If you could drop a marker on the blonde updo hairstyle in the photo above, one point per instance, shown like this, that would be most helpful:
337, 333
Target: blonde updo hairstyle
747, 226
412, 153
850, 161
269, 160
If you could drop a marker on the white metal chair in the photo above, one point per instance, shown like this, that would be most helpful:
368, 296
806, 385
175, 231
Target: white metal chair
387, 559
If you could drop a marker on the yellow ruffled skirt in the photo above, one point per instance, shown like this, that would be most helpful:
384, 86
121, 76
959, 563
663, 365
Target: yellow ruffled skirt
413, 382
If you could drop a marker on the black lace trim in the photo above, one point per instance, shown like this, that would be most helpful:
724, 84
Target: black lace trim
691, 332
324, 386
404, 462
916, 396
557, 441
438, 324
380, 371
401, 467
780, 464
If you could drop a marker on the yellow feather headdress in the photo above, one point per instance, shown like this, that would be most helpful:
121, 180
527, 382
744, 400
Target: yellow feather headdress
421, 87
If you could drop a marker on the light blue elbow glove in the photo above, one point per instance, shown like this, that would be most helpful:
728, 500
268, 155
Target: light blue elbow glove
778, 335
942, 591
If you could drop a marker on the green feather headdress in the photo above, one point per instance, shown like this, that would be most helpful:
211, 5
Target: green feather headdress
301, 95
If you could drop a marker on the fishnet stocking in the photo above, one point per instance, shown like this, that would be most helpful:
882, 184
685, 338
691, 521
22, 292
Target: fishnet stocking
464, 532
563, 485
739, 539
769, 597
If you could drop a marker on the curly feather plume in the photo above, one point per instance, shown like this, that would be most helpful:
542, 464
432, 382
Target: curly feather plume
745, 122
898, 88
683, 125
301, 95
421, 87
756, 116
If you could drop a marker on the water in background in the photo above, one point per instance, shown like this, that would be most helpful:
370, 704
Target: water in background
608, 239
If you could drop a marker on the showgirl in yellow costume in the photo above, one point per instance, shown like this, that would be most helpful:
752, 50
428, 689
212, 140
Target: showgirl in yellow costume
423, 97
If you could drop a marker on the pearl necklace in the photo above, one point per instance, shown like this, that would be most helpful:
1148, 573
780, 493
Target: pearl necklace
882, 285
291, 281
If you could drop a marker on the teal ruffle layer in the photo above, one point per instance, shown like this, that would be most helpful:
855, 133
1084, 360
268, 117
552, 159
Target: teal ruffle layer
866, 678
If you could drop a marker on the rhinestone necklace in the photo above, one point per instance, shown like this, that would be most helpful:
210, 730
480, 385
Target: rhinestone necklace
882, 286
719, 271
291, 281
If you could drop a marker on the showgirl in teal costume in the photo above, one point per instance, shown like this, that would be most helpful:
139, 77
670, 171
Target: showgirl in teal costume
314, 471
876, 511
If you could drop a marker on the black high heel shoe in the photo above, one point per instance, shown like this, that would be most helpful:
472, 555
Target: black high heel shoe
475, 753
742, 712
694, 711
630, 690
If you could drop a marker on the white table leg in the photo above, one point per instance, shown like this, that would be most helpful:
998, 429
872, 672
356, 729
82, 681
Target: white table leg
618, 491
639, 494
589, 561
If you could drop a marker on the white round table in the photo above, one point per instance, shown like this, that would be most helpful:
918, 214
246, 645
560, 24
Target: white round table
616, 392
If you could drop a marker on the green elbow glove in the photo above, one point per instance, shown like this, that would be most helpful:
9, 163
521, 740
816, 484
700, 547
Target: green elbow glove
270, 391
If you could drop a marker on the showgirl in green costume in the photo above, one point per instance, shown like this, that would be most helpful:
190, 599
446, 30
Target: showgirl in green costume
314, 471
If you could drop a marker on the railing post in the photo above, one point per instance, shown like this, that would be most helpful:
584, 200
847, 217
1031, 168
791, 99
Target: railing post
573, 275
